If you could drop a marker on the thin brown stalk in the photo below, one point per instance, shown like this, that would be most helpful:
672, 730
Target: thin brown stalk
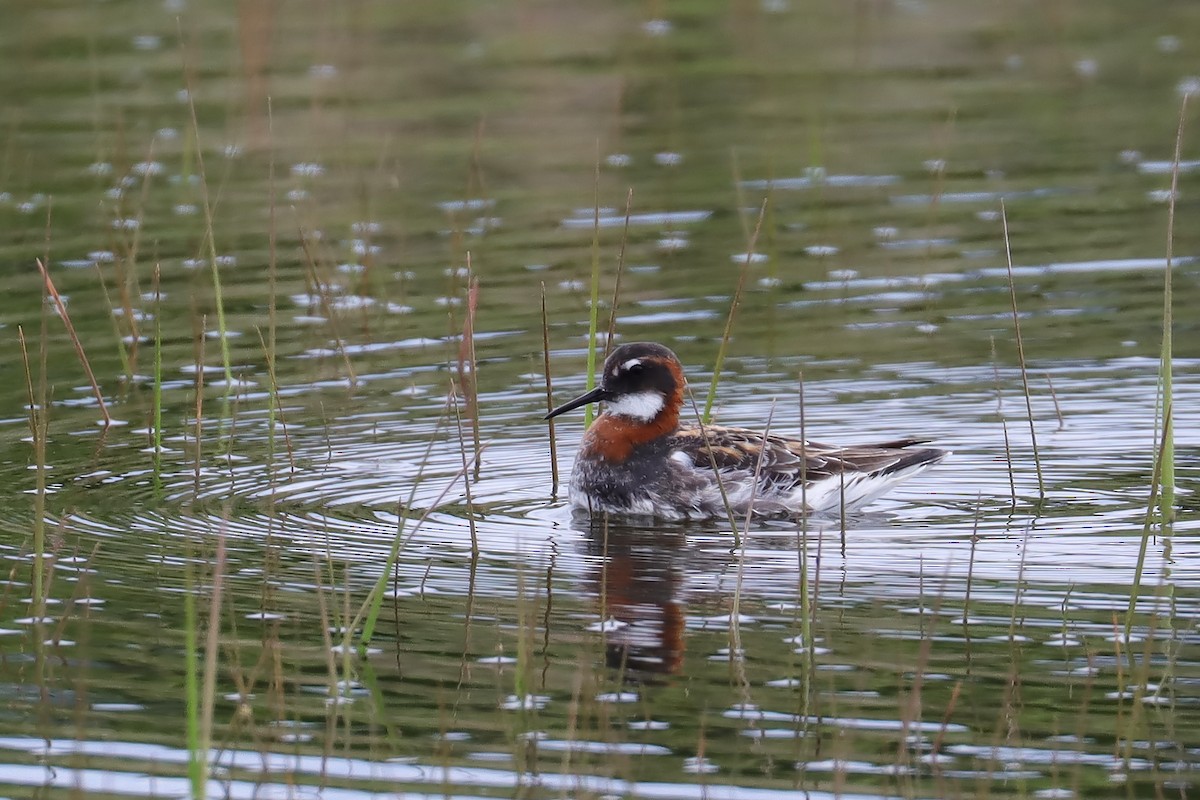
1054, 398
210, 238
712, 463
212, 644
462, 448
739, 192
970, 583
273, 276
1012, 292
594, 306
1147, 523
83, 359
467, 363
941, 734
612, 314
733, 307
278, 401
199, 409
126, 364
327, 308
37, 430
1012, 481
126, 268
736, 657
549, 394
1165, 376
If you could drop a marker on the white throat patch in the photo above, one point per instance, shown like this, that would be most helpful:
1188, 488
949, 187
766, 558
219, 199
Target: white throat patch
643, 406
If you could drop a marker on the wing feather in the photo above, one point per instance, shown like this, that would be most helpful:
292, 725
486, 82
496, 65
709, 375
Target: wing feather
786, 462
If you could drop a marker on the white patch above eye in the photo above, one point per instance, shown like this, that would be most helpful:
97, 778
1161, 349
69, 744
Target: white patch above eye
631, 363
642, 406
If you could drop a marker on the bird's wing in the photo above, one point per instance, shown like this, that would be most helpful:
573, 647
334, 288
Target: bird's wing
784, 460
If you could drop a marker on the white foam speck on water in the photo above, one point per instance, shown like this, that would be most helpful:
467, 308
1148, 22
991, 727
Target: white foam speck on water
617, 697
529, 702
474, 204
648, 725
971, 197
612, 220
657, 27
1165, 167
917, 244
699, 765
666, 317
821, 179
607, 625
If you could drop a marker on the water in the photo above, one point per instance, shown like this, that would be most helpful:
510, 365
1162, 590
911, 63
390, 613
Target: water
960, 636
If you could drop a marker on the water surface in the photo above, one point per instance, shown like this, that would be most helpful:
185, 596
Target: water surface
963, 636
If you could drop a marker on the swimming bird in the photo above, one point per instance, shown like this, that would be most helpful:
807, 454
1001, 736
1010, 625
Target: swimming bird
637, 458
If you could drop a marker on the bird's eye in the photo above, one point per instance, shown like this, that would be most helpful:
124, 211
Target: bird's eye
637, 369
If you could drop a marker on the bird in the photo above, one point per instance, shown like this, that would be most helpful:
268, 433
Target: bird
638, 458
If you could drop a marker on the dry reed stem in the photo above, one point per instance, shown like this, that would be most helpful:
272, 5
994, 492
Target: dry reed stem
940, 738
739, 192
273, 277
199, 409
594, 307
368, 609
212, 646
83, 359
733, 307
462, 448
277, 401
467, 362
323, 297
1012, 293
156, 436
1167, 470
126, 365
1054, 399
736, 659
549, 395
712, 463
1012, 481
939, 183
612, 313
209, 227
37, 430
1147, 524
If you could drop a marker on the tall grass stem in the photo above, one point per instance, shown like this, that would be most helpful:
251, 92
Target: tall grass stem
616, 300
594, 306
733, 308
549, 394
61, 307
1166, 469
1012, 293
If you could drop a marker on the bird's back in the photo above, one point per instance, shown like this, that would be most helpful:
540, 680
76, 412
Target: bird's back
777, 474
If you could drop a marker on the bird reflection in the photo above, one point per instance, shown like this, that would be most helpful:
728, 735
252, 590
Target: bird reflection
637, 583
